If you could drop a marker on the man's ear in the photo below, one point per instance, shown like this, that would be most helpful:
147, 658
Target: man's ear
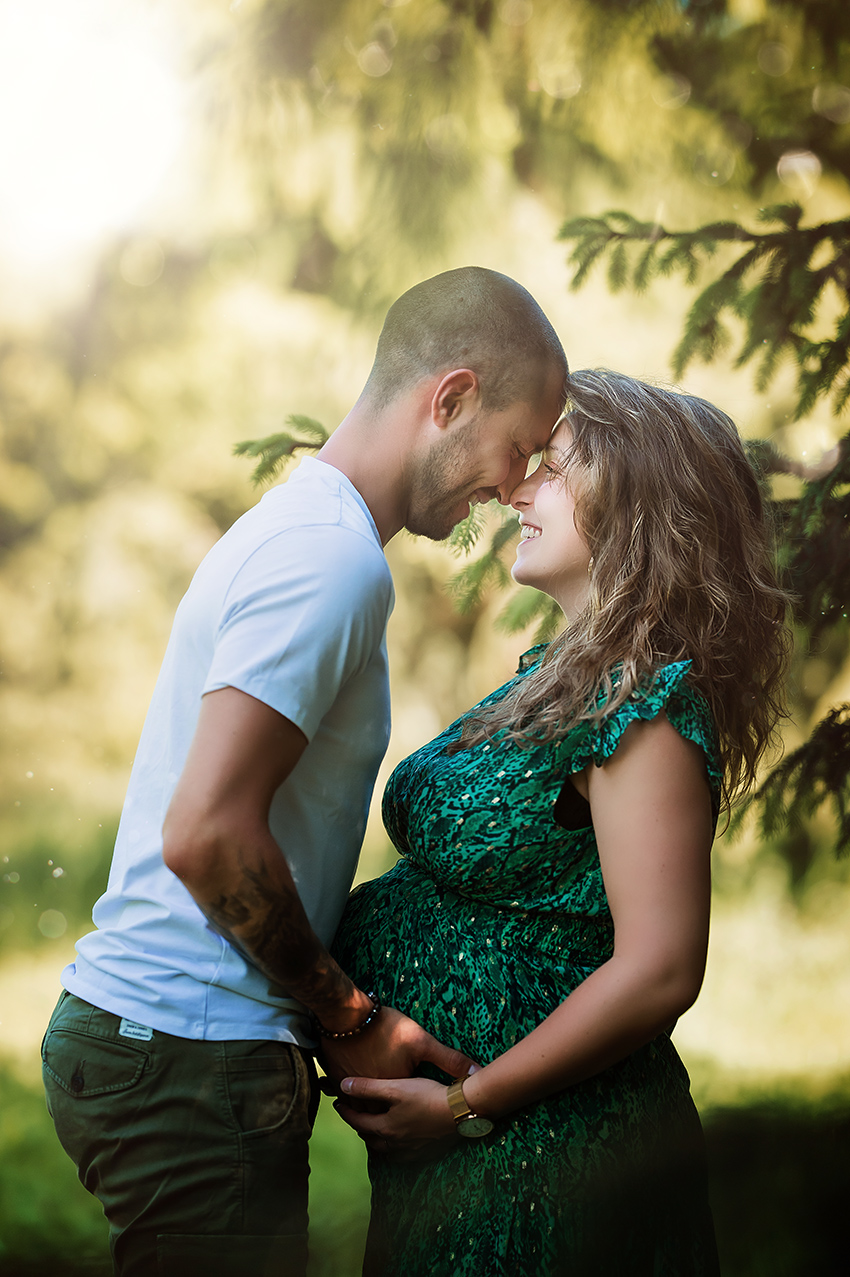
457, 397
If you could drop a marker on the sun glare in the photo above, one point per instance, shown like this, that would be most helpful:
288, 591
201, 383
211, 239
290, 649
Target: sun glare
90, 122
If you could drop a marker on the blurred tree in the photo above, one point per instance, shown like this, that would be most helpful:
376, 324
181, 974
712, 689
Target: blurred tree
757, 84
786, 287
349, 147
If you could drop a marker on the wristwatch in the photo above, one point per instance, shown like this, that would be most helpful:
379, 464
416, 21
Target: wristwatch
469, 1124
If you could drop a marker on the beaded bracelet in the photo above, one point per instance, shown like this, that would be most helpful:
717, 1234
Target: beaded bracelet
351, 1033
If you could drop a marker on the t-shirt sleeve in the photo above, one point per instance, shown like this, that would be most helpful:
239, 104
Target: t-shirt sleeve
304, 613
671, 694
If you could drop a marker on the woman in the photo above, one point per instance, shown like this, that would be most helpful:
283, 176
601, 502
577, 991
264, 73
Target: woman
549, 915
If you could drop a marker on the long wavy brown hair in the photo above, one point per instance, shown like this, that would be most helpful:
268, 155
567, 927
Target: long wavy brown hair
682, 569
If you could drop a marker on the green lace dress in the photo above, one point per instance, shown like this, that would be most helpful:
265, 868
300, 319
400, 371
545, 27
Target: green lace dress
491, 917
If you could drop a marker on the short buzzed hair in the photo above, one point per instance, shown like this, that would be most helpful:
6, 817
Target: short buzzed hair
468, 318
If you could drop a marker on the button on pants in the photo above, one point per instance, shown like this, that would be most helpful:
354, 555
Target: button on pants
196, 1150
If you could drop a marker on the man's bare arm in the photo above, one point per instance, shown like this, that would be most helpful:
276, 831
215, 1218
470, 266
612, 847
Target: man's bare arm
216, 839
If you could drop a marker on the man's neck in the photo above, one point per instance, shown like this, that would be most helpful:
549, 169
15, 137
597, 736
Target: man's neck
373, 454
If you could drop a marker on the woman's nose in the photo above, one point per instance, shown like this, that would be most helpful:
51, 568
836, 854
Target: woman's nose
523, 493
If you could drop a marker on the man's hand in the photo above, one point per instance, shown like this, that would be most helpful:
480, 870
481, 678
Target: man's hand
416, 1124
393, 1046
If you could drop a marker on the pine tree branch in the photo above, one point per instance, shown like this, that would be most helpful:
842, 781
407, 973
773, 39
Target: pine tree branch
772, 286
275, 451
812, 776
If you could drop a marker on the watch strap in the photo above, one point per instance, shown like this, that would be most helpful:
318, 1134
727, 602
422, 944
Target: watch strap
457, 1101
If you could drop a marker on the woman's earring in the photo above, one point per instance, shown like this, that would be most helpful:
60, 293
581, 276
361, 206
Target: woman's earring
590, 566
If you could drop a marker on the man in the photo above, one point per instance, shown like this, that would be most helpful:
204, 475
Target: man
178, 1063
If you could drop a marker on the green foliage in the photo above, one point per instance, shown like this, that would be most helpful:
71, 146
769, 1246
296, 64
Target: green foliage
815, 546
469, 584
778, 1180
527, 605
810, 777
48, 883
466, 534
778, 287
275, 451
48, 1222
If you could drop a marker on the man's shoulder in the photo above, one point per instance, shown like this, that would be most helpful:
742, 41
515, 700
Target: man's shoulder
302, 559
314, 497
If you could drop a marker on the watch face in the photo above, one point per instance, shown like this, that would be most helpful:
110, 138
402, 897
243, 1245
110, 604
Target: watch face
472, 1128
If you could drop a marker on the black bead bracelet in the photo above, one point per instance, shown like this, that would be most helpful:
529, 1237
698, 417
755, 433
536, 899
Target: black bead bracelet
351, 1033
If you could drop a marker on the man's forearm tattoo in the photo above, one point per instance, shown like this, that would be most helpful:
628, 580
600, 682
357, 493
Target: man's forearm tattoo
267, 924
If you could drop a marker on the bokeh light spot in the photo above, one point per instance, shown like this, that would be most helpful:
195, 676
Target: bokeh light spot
800, 171
52, 924
373, 59
559, 79
671, 92
142, 262
774, 58
714, 167
516, 12
833, 102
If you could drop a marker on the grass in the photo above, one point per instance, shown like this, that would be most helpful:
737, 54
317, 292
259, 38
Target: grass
780, 1174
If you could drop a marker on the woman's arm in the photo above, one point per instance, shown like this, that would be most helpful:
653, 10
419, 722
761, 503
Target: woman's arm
652, 816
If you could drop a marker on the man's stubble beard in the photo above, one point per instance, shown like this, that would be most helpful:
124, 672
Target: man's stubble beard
435, 490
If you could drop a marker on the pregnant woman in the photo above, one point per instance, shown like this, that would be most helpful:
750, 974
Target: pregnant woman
549, 913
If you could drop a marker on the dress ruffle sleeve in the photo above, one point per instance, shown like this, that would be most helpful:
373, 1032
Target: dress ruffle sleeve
671, 694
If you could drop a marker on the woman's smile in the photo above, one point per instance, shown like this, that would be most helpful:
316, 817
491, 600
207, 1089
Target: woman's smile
559, 567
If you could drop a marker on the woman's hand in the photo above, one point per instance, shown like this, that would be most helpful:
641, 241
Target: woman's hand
417, 1124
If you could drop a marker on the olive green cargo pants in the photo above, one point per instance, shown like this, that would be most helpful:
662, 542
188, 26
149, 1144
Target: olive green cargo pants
196, 1150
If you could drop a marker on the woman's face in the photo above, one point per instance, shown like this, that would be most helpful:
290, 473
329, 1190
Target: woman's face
552, 555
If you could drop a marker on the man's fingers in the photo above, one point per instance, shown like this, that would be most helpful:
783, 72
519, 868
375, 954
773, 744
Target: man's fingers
455, 1063
367, 1088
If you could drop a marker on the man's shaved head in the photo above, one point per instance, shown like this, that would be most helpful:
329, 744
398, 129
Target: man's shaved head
468, 318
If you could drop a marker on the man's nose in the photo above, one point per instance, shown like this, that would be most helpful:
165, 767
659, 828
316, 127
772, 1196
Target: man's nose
512, 480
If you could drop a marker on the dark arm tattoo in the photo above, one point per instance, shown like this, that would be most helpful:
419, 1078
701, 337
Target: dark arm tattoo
266, 922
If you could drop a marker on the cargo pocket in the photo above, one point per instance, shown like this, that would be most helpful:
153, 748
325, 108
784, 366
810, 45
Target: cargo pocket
84, 1065
263, 1083
82, 1075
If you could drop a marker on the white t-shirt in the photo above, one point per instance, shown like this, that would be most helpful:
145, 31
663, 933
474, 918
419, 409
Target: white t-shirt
290, 606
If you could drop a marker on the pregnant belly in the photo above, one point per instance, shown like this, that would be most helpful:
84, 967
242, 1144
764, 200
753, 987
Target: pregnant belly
477, 977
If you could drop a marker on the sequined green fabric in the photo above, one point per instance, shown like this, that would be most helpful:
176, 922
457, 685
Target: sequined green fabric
491, 917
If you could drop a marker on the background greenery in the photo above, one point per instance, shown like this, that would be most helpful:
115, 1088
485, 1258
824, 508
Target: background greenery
338, 151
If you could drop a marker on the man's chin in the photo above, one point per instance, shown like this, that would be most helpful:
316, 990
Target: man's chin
436, 525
